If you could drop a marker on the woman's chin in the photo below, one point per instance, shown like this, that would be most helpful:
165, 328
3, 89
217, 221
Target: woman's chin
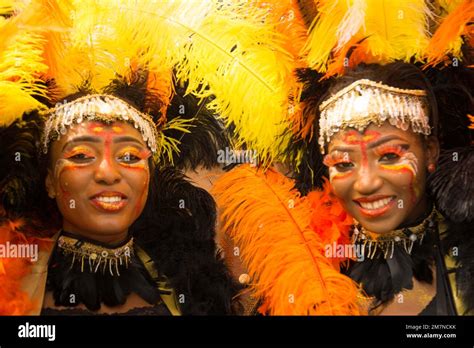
381, 226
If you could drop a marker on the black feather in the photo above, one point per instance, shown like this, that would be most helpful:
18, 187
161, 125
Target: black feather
460, 237
92, 289
177, 230
451, 184
207, 134
310, 172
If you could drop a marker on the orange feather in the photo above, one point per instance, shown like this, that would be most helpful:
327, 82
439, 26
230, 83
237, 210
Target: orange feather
13, 299
447, 38
289, 24
51, 18
471, 118
270, 223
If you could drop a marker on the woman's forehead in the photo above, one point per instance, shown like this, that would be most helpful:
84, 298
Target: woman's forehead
97, 128
351, 136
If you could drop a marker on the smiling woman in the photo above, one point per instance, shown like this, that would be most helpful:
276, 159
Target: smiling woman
122, 228
100, 171
378, 135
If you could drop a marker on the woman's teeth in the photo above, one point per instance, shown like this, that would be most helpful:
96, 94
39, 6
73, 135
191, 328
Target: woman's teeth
109, 199
376, 204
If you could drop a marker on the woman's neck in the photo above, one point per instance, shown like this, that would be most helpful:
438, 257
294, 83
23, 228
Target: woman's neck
108, 239
422, 210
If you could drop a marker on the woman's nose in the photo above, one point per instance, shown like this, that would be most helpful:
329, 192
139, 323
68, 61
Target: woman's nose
367, 181
107, 172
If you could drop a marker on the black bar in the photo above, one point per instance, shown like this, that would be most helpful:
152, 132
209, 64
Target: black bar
382, 331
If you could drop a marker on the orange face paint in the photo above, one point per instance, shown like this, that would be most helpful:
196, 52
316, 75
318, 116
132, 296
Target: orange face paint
334, 160
139, 157
117, 129
79, 150
355, 138
407, 163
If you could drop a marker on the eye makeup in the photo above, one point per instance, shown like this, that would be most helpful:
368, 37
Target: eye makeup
336, 157
385, 149
333, 161
140, 157
407, 163
78, 150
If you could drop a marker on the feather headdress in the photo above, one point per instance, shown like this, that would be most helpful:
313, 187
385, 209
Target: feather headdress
227, 52
346, 33
20, 62
282, 248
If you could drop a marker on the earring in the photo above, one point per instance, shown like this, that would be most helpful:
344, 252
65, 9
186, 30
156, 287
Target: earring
431, 167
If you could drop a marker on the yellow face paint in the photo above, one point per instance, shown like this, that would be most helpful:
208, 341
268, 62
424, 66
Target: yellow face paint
407, 163
132, 157
78, 150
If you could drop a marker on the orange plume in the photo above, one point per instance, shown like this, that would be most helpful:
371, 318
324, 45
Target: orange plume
329, 218
447, 38
291, 28
471, 118
270, 223
13, 299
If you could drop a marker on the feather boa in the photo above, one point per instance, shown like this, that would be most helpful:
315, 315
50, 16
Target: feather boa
282, 248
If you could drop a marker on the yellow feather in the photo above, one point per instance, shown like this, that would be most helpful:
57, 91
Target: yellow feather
225, 49
324, 32
392, 29
14, 101
397, 29
236, 56
50, 19
20, 63
351, 23
168, 145
6, 7
270, 223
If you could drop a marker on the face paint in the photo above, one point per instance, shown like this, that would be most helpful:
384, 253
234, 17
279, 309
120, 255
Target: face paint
338, 163
406, 163
132, 158
355, 138
378, 175
117, 129
60, 167
104, 169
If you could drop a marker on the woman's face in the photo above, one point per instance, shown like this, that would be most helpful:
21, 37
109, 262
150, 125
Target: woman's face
379, 174
99, 176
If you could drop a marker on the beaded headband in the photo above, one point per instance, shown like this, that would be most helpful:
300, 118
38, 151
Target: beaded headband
97, 107
366, 102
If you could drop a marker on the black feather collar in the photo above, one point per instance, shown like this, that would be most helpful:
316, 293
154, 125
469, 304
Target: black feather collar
383, 277
74, 278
